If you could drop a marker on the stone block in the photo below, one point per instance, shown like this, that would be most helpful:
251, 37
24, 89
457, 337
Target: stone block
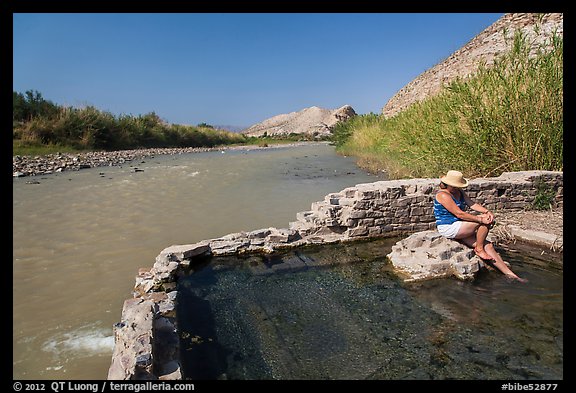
132, 356
358, 231
364, 194
181, 252
349, 192
346, 202
261, 233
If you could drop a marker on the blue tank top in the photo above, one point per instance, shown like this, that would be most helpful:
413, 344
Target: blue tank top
443, 216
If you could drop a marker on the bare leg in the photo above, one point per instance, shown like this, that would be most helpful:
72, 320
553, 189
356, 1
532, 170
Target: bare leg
497, 262
500, 264
474, 235
481, 235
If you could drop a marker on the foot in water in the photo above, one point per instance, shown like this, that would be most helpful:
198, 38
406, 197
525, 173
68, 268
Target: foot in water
516, 278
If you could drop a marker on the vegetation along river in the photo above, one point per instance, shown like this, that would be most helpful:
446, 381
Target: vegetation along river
80, 237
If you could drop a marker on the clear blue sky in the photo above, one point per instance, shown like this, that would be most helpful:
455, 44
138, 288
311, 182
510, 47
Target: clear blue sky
231, 69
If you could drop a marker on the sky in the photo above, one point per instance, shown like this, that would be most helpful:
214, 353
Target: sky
231, 69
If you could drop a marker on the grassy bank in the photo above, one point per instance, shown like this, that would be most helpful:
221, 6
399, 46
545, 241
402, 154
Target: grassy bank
41, 127
72, 129
507, 117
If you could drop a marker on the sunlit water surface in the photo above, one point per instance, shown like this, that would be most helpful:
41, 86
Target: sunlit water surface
80, 237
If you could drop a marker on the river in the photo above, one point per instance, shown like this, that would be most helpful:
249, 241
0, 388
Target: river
80, 237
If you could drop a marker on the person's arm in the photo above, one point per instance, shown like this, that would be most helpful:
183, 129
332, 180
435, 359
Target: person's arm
477, 207
447, 201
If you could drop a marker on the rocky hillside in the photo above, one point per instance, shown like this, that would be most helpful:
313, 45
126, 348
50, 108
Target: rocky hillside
491, 42
313, 121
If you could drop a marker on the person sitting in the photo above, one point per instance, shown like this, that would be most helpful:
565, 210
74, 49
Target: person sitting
453, 222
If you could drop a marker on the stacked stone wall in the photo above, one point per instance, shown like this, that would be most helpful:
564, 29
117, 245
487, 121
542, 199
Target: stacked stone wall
390, 207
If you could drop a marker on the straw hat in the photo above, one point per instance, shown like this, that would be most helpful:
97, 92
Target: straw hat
454, 179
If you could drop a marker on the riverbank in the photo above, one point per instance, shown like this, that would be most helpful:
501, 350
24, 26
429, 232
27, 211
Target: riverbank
23, 166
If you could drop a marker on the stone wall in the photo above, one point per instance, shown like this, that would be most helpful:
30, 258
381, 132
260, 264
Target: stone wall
146, 339
486, 46
399, 206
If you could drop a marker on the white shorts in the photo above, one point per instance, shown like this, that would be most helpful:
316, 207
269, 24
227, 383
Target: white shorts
449, 230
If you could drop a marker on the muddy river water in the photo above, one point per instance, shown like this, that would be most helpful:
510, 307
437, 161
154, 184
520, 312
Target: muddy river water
80, 237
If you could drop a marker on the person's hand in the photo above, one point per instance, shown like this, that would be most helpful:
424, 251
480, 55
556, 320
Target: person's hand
491, 215
486, 218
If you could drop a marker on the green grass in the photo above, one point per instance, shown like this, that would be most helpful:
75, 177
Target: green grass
20, 148
72, 129
545, 196
89, 129
507, 117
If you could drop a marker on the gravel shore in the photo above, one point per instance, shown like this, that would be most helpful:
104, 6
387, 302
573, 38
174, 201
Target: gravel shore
43, 165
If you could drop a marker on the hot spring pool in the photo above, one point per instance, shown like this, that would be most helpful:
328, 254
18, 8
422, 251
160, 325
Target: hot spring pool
339, 312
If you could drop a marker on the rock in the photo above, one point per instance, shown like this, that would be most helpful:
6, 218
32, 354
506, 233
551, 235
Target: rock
314, 121
282, 235
344, 113
59, 162
554, 242
180, 252
259, 233
166, 350
230, 244
132, 357
495, 40
427, 254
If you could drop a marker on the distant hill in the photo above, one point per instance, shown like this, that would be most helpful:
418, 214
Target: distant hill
493, 41
314, 121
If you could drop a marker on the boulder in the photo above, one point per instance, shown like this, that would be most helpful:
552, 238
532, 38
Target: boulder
426, 255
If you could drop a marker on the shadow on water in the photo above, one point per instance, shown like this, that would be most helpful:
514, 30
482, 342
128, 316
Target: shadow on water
339, 312
207, 359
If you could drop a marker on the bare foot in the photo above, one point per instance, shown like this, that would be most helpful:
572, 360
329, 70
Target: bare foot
515, 277
482, 254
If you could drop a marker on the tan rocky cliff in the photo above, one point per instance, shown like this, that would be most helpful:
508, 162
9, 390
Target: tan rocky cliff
493, 41
314, 121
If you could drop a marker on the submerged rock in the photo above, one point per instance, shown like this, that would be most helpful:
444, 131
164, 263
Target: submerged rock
425, 255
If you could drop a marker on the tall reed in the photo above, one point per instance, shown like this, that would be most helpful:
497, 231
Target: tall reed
506, 117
